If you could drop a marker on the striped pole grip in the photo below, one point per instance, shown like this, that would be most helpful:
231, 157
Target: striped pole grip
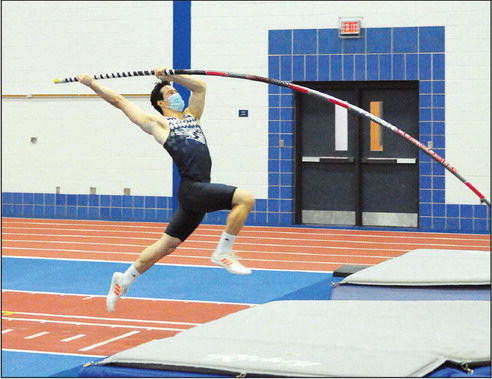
307, 91
114, 75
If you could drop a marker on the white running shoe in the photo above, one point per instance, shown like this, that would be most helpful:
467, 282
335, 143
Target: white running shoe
230, 262
115, 291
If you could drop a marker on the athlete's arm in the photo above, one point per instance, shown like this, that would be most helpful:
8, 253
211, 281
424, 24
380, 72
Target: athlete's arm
198, 88
154, 125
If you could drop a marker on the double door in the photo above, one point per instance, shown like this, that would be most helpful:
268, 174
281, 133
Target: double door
350, 170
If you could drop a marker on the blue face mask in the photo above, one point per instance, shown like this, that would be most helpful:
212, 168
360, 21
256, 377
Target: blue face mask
176, 102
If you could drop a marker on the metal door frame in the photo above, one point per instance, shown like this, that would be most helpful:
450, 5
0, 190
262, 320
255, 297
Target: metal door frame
322, 86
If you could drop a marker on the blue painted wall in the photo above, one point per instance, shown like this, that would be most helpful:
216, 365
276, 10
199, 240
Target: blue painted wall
181, 59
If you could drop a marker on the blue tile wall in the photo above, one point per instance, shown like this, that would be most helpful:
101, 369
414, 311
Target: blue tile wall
403, 53
280, 42
305, 41
98, 207
379, 40
112, 207
405, 40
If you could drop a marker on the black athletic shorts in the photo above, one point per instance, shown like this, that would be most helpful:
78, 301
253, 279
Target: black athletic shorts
195, 199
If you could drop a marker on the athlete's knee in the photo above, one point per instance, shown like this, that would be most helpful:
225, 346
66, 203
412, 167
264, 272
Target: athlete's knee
249, 200
158, 250
167, 244
243, 197
164, 246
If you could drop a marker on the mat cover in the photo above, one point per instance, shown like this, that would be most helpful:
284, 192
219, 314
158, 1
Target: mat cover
93, 371
428, 267
372, 292
325, 338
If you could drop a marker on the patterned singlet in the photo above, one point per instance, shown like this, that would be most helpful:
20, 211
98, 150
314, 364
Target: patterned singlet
188, 147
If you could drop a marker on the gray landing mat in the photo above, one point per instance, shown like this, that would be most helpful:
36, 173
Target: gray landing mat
428, 267
326, 338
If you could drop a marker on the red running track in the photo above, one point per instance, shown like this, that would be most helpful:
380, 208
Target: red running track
75, 324
79, 324
298, 249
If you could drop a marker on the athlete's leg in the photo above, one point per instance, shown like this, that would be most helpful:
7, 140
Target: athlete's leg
210, 197
181, 225
148, 257
242, 204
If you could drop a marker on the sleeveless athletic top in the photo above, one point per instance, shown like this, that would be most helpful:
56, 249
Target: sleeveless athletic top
188, 147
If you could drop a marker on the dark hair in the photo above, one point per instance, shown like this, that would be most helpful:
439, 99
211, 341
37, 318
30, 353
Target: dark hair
156, 94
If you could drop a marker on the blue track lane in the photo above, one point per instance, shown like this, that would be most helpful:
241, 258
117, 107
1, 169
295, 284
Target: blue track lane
160, 282
40, 365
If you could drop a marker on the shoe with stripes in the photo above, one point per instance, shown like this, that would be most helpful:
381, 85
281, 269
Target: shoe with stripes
231, 263
115, 291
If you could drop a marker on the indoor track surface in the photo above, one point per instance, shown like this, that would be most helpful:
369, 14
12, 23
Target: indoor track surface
56, 273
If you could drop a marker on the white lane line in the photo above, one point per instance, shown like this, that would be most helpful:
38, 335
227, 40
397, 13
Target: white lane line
7, 330
54, 352
67, 236
107, 318
103, 254
109, 341
92, 324
73, 242
325, 250
36, 335
211, 266
69, 250
73, 338
127, 298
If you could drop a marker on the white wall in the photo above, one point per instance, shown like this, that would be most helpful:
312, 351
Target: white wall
468, 98
227, 36
84, 142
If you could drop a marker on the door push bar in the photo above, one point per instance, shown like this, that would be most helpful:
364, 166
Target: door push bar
364, 160
390, 160
328, 159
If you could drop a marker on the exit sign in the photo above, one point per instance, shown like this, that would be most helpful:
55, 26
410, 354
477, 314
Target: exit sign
349, 27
